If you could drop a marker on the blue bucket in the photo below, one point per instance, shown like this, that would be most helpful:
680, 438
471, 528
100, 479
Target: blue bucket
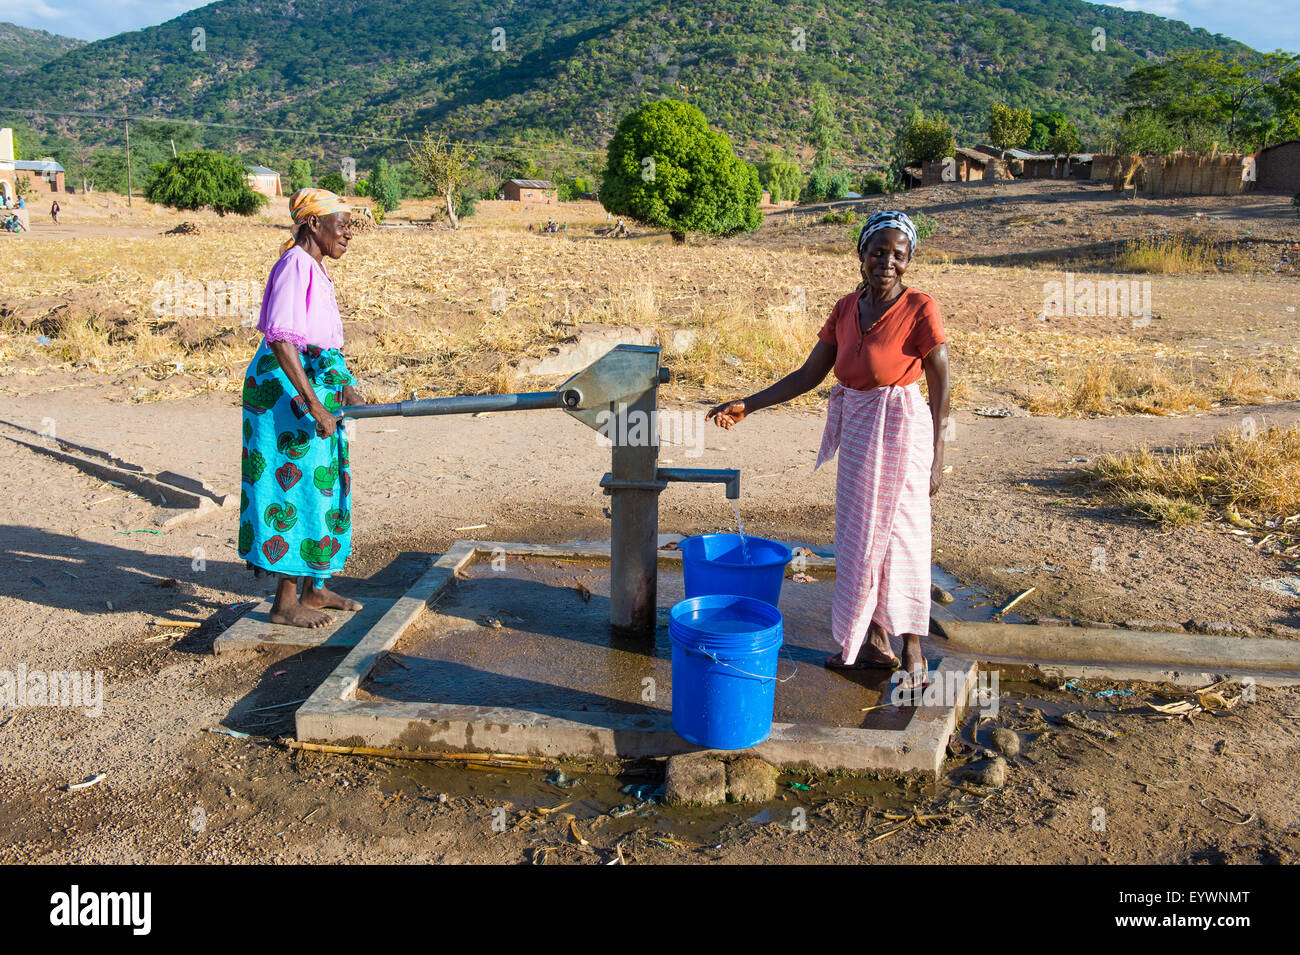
725, 651
717, 564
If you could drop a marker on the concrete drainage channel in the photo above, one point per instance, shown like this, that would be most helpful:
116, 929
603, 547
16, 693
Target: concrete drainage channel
515, 660
505, 648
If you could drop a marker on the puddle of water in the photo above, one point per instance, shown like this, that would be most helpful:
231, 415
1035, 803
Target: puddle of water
596, 795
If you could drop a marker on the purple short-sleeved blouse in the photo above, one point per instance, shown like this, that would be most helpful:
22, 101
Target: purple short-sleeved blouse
298, 305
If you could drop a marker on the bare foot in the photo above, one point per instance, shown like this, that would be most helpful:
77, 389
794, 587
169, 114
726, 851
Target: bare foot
914, 665
875, 654
325, 598
296, 615
877, 646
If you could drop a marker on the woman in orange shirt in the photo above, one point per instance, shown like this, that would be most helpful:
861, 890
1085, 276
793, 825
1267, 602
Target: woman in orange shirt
879, 340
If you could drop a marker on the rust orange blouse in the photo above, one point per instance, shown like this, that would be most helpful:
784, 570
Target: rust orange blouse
891, 354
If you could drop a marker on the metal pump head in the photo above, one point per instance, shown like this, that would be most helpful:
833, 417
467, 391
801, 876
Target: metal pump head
622, 376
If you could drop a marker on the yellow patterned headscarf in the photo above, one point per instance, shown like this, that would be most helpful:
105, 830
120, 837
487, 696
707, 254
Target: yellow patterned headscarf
311, 202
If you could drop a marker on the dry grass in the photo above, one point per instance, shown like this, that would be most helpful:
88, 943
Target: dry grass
1176, 255
1250, 477
437, 312
1151, 379
1106, 387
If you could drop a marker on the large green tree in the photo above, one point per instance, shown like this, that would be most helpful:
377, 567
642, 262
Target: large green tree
666, 167
1043, 127
201, 178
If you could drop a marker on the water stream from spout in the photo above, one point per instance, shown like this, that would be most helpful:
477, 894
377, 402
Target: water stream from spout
744, 547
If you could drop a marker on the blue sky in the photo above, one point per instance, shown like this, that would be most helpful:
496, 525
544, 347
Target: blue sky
1263, 24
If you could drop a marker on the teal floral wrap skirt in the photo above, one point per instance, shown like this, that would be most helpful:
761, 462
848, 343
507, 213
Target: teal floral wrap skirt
295, 511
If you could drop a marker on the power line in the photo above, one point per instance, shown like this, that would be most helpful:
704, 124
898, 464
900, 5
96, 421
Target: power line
119, 117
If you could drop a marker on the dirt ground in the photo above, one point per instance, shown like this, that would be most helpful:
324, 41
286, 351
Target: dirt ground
86, 585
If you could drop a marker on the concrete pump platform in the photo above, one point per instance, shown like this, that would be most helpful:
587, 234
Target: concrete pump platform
506, 648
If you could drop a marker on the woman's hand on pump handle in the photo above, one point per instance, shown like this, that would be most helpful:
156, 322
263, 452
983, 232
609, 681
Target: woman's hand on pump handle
326, 423
728, 414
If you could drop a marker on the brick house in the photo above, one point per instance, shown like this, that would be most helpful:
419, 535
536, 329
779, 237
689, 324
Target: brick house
1278, 167
522, 190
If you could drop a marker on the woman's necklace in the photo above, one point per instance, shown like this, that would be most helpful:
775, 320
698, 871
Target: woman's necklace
862, 335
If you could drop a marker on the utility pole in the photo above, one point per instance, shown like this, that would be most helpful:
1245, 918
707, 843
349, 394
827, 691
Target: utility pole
128, 162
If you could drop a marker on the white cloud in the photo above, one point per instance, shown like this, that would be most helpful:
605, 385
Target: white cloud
1264, 24
93, 19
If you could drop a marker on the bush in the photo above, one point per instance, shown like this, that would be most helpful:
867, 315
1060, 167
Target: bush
384, 185
201, 178
839, 185
334, 182
361, 188
465, 205
818, 185
839, 218
874, 184
925, 226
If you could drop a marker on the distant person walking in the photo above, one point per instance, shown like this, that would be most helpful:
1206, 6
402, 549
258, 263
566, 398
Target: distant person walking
879, 341
54, 211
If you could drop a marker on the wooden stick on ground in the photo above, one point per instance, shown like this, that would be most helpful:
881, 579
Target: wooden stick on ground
505, 758
1016, 600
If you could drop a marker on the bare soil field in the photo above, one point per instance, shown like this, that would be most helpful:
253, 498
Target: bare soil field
93, 348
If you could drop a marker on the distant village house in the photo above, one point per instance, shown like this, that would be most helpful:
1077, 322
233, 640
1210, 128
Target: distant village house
42, 174
263, 180
524, 190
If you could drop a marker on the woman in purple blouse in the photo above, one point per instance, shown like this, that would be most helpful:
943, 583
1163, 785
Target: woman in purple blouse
295, 514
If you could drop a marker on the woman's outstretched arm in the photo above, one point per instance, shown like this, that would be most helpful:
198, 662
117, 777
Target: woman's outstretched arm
804, 379
936, 383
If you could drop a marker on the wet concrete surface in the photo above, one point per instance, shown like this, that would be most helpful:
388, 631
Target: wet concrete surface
553, 652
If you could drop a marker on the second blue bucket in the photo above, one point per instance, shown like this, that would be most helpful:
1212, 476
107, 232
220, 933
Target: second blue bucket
719, 564
724, 669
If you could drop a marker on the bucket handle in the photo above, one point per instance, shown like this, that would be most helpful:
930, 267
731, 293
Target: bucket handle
755, 676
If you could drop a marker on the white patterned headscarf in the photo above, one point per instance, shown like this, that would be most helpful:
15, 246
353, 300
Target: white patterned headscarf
887, 220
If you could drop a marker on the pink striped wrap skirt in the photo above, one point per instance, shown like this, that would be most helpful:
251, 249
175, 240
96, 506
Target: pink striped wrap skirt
885, 440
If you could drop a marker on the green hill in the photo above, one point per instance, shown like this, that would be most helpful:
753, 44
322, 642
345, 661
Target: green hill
570, 69
21, 48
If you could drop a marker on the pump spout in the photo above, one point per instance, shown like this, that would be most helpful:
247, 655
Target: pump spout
727, 476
